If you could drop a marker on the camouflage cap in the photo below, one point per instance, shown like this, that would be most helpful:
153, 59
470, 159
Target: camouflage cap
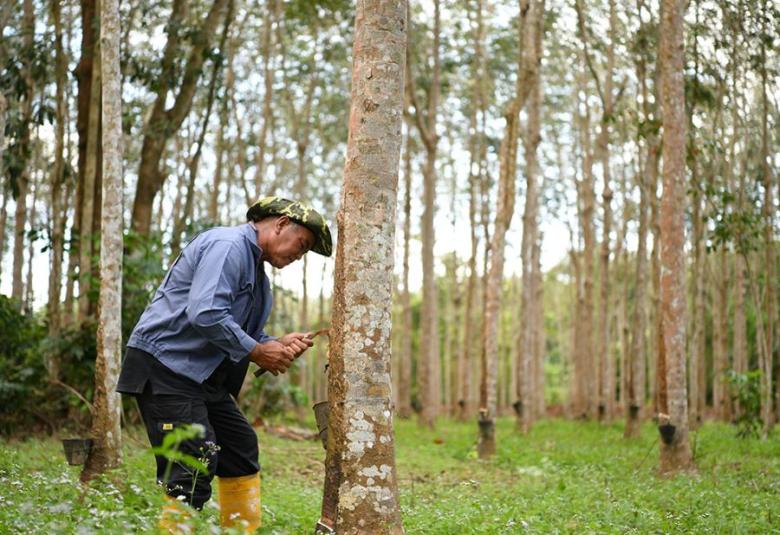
298, 212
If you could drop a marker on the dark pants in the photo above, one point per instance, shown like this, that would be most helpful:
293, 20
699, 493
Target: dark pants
228, 447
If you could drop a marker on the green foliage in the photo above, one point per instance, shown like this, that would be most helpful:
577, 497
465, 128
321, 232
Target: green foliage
564, 477
21, 367
273, 396
142, 274
745, 389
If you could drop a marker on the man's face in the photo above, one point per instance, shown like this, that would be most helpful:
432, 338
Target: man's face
289, 241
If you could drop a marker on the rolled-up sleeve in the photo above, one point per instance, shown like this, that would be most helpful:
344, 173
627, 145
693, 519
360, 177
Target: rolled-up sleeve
214, 285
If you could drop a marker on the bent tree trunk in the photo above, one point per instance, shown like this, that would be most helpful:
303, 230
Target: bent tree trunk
163, 123
360, 437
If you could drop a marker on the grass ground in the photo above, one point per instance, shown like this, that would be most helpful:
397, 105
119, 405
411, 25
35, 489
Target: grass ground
565, 477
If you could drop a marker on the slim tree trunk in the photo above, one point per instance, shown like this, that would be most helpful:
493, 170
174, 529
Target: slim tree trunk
636, 362
697, 342
526, 348
675, 450
90, 178
35, 186
539, 337
405, 372
220, 155
57, 180
720, 338
428, 376
23, 180
106, 452
488, 408
770, 299
5, 191
476, 140
360, 437
586, 373
605, 384
270, 16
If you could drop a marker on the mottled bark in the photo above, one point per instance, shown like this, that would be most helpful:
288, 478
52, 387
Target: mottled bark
106, 452
360, 435
675, 452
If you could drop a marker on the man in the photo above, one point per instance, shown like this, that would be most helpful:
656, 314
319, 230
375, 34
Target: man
188, 355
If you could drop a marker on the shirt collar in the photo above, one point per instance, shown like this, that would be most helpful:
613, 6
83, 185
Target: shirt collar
251, 235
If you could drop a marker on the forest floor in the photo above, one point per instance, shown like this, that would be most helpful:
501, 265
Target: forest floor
565, 477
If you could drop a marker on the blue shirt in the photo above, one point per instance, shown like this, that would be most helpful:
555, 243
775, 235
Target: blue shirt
213, 303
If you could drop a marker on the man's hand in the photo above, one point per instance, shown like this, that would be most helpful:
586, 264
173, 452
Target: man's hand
298, 342
273, 356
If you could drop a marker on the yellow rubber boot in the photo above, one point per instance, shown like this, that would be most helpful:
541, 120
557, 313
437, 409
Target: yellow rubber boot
175, 518
239, 502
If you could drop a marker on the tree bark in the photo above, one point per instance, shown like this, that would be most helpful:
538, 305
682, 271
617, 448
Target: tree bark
405, 371
35, 186
697, 342
488, 407
23, 180
271, 15
91, 161
106, 452
476, 140
4, 190
526, 350
428, 376
770, 299
675, 450
58, 214
586, 373
360, 436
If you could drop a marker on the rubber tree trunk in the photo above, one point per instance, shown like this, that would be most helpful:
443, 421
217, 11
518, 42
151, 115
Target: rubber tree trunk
675, 450
405, 371
4, 190
428, 376
770, 294
360, 434
106, 451
526, 350
57, 180
505, 201
20, 213
91, 161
